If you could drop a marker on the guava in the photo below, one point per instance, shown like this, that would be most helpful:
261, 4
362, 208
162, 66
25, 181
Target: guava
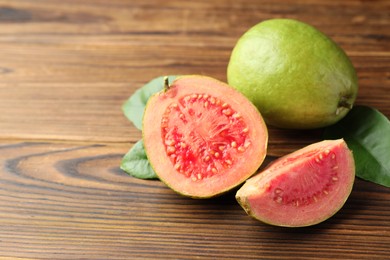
294, 74
203, 137
303, 188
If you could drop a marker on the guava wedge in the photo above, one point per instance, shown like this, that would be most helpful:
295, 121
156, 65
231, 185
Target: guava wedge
202, 137
303, 188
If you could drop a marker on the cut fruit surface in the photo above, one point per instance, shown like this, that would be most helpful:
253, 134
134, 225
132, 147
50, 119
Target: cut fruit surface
303, 188
202, 137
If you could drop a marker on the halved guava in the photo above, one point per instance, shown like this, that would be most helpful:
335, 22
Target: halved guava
303, 188
203, 137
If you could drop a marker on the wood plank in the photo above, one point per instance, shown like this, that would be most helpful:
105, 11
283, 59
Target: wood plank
72, 201
71, 70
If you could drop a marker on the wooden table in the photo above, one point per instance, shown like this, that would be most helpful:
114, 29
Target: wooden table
67, 66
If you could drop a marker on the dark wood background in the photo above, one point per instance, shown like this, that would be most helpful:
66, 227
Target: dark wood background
67, 66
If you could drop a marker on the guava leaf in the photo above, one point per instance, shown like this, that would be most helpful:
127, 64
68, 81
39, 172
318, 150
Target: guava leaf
367, 133
136, 164
134, 107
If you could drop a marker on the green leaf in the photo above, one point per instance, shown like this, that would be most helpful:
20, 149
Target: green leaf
136, 164
134, 107
367, 133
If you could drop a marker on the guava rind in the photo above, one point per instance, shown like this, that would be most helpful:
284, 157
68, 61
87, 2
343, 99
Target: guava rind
155, 149
257, 195
294, 74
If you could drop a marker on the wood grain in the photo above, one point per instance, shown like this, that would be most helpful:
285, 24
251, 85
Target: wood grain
69, 66
66, 67
73, 201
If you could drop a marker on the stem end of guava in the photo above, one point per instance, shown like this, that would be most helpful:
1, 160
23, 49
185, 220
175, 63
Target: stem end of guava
345, 104
166, 84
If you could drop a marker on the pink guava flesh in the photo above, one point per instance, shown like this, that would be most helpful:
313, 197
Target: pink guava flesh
303, 188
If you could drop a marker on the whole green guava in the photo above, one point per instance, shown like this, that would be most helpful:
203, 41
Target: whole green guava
295, 75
